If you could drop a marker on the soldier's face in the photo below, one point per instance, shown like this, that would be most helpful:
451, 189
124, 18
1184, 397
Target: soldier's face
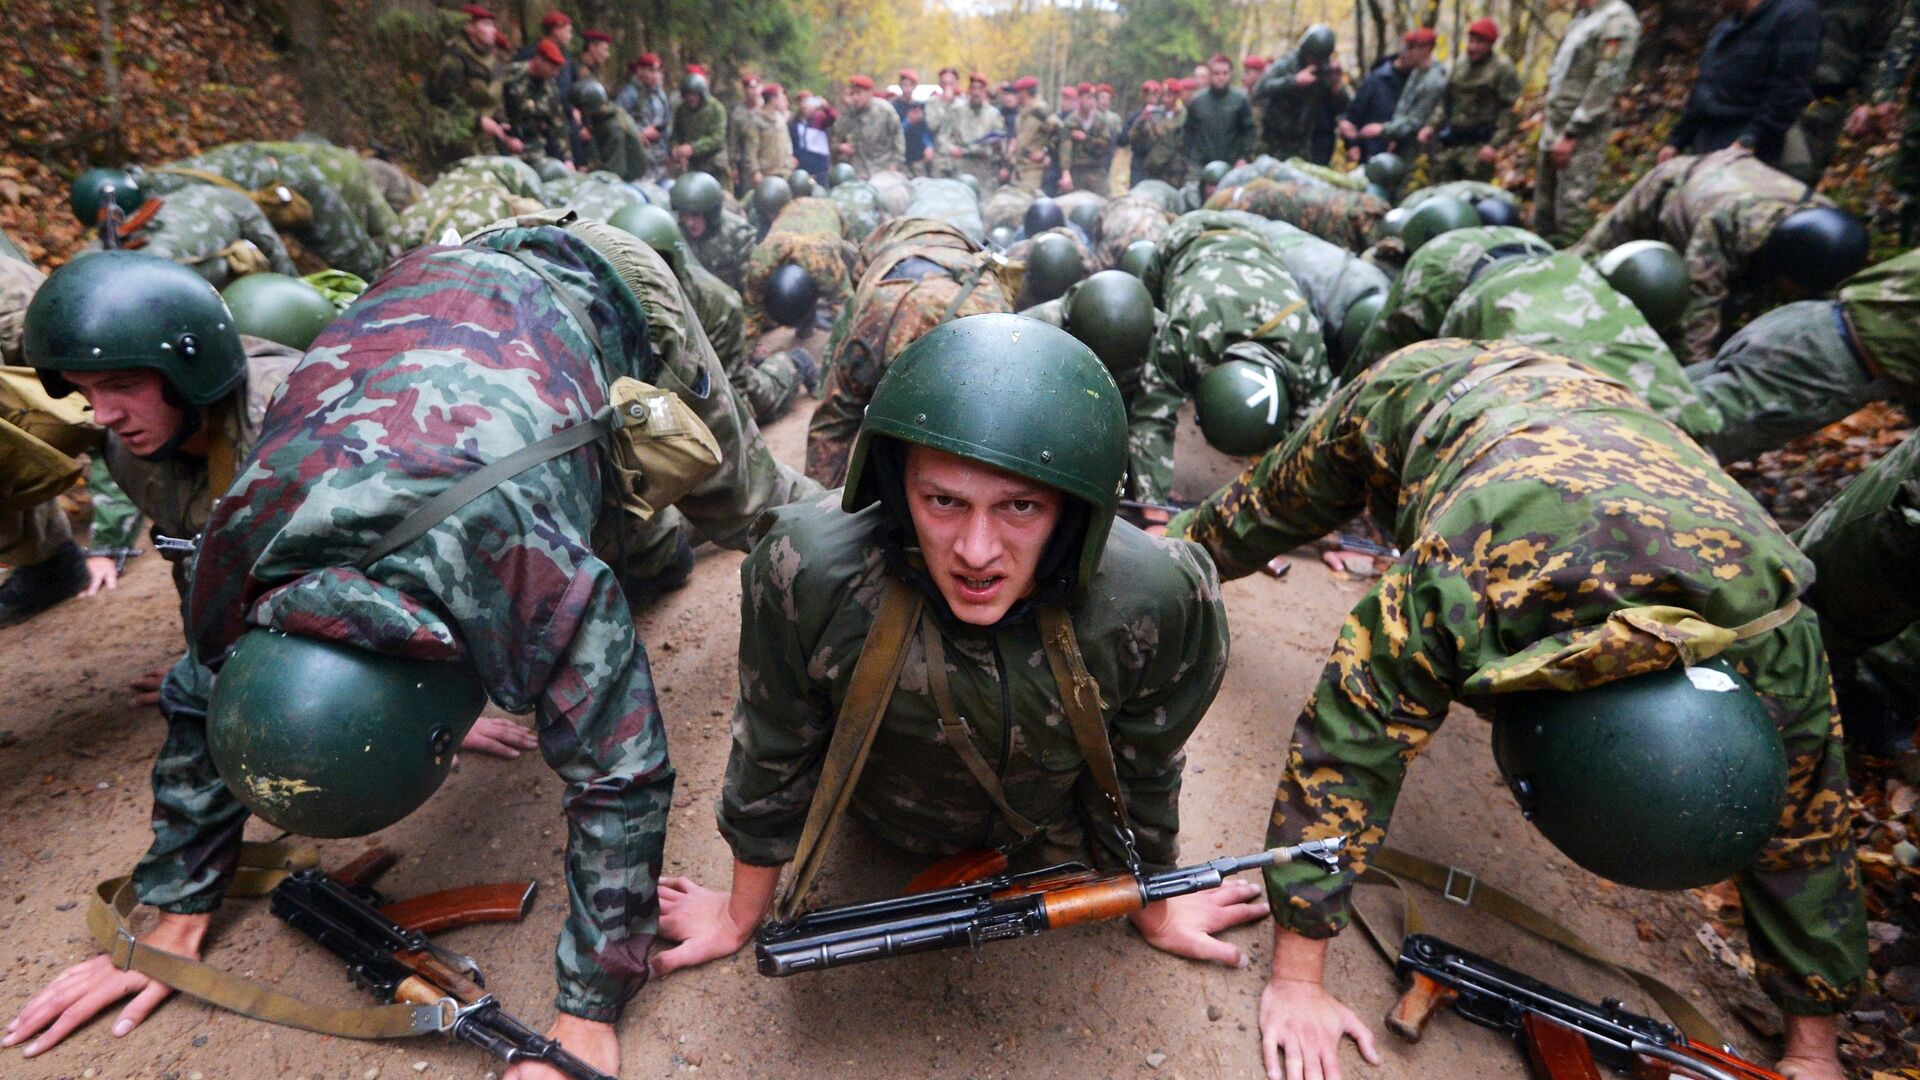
1219, 75
981, 530
1104, 99
693, 226
596, 53
1418, 56
561, 35
650, 78
482, 32
1478, 48
977, 95
132, 403
858, 96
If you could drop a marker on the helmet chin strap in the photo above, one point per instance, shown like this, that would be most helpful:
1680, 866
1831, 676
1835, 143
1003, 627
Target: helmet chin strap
190, 424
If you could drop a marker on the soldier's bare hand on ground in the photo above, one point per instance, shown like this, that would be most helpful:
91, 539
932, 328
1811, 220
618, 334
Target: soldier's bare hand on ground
79, 993
102, 574
1185, 925
497, 736
146, 686
1301, 1026
701, 920
591, 1041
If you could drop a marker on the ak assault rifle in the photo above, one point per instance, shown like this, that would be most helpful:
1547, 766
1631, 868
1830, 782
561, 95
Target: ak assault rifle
1561, 1035
387, 951
995, 908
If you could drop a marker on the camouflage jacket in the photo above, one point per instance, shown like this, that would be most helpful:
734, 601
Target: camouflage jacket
1882, 305
616, 145
464, 86
1900, 58
458, 357
808, 233
596, 196
1557, 535
1158, 143
1718, 209
1589, 70
1468, 191
19, 280
1227, 296
979, 135
705, 130
1423, 92
1478, 104
349, 175
536, 115
1125, 221
1433, 277
879, 142
1292, 116
337, 232
1867, 586
1331, 276
200, 224
725, 248
769, 146
1154, 634
1350, 219
1094, 153
474, 193
893, 305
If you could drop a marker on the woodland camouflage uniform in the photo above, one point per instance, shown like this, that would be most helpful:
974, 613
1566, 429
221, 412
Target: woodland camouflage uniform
1331, 277
1420, 95
1476, 111
496, 363
1897, 69
979, 135
725, 248
1035, 130
770, 385
1089, 161
337, 232
768, 144
536, 115
1154, 635
1123, 222
705, 130
1336, 215
464, 86
1589, 71
212, 230
1156, 141
1557, 535
1718, 210
1296, 119
616, 145
596, 196
1227, 296
474, 193
914, 274
350, 176
809, 234
879, 143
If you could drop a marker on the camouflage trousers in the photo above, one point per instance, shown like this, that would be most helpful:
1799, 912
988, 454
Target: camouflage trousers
34, 535
1810, 142
1450, 163
769, 385
1094, 178
1785, 374
1560, 196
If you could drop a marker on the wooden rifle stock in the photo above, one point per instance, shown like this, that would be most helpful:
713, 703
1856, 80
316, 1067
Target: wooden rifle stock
1416, 1007
1555, 1052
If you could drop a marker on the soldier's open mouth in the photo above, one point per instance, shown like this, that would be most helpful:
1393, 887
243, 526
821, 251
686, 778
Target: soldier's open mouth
978, 590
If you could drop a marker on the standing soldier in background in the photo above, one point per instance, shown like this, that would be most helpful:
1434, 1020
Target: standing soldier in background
769, 145
1035, 130
1475, 116
972, 136
1589, 71
700, 132
1155, 136
645, 100
1897, 66
1301, 97
740, 131
1756, 77
720, 238
535, 110
1219, 124
1852, 35
868, 135
1425, 87
1087, 147
593, 56
465, 90
614, 142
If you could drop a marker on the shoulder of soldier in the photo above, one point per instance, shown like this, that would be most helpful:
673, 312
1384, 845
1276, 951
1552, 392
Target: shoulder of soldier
812, 552
268, 365
1171, 582
712, 298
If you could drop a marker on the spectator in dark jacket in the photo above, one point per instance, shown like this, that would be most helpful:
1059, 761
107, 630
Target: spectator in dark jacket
1219, 123
1756, 77
1372, 107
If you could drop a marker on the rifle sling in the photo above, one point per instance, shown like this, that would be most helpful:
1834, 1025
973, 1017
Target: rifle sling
958, 734
1390, 866
263, 866
1080, 698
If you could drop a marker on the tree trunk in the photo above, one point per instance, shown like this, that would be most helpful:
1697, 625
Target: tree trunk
110, 73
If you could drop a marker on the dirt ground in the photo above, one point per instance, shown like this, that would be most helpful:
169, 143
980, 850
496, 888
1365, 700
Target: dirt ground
1091, 1002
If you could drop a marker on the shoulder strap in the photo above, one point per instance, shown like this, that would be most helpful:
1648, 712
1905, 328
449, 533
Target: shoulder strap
868, 691
1080, 697
958, 734
222, 461
203, 175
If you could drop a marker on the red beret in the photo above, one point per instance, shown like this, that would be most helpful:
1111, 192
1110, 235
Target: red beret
976, 77
748, 78
1484, 27
1026, 82
860, 82
1103, 88
476, 12
945, 71
598, 35
1086, 88
1149, 87
1069, 90
909, 73
551, 53
1219, 58
648, 60
696, 69
1254, 63
771, 90
554, 19
1420, 35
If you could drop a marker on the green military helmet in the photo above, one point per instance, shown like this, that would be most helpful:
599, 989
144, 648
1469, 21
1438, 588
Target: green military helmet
278, 308
1357, 321
1436, 216
972, 182
1389, 170
1316, 45
589, 96
1213, 172
1816, 248
1668, 780
1053, 265
1394, 222
91, 189
328, 740
1085, 216
1000, 237
1138, 256
1378, 192
1112, 314
1652, 275
770, 196
1042, 214
802, 184
1014, 393
111, 310
789, 295
656, 227
1495, 211
694, 85
841, 173
1242, 408
551, 169
697, 193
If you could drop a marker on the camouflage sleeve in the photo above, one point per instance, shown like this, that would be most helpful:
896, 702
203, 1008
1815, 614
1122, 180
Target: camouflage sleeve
196, 821
844, 393
1411, 315
713, 134
1637, 215
254, 227
116, 521
1609, 78
1151, 419
338, 235
1901, 54
1507, 120
1710, 257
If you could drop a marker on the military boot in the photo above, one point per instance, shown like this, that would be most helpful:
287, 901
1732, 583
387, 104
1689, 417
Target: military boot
30, 590
809, 369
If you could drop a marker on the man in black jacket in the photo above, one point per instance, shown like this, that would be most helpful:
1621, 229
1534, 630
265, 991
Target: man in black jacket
1755, 79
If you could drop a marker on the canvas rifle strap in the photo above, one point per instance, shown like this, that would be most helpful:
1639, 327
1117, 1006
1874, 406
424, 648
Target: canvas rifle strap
1080, 697
868, 691
262, 866
1390, 866
223, 463
958, 734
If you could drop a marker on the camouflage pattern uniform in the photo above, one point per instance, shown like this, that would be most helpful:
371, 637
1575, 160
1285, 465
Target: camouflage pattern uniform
596, 196
1805, 365
1126, 221
948, 200
770, 385
1422, 93
1331, 276
1560, 304
1227, 296
464, 86
1589, 72
911, 273
808, 234
1158, 145
349, 175
1897, 67
1017, 254
1154, 634
1294, 119
1336, 215
1467, 191
212, 230
361, 436
1475, 112
616, 145
1433, 277
1008, 205
399, 189
879, 142
473, 194
1035, 130
860, 209
39, 532
725, 247
337, 233
1852, 33
740, 137
980, 136
1553, 531
536, 115
1089, 161
704, 129
769, 144
1718, 210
